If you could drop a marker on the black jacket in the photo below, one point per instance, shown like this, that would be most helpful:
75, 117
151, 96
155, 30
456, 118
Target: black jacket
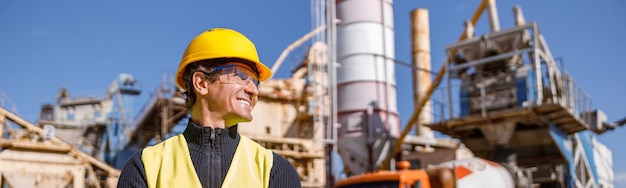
211, 152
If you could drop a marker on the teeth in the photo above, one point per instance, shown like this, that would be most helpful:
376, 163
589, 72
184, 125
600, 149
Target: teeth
244, 102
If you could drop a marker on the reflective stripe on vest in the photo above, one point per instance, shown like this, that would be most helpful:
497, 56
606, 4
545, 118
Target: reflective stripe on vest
168, 164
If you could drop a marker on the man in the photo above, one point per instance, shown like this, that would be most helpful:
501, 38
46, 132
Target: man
219, 74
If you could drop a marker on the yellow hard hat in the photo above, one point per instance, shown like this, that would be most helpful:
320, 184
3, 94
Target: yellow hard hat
220, 43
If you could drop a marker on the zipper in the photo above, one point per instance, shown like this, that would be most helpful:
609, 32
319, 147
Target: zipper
214, 165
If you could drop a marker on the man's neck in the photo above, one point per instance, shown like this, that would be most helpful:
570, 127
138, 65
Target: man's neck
205, 120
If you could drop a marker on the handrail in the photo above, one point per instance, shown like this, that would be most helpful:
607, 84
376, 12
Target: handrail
160, 92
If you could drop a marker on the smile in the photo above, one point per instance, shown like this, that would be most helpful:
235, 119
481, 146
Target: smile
244, 102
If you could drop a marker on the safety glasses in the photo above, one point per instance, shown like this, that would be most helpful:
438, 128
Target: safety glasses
233, 73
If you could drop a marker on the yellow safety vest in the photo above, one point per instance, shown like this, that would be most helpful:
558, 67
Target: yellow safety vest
168, 164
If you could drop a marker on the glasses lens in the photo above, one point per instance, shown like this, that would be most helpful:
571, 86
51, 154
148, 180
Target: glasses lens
246, 74
238, 74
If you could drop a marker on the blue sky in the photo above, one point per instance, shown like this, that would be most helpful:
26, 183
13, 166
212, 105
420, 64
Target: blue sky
84, 45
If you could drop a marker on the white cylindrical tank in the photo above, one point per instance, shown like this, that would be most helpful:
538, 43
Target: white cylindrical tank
366, 88
476, 172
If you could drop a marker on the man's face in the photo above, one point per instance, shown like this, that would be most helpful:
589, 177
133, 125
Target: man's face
231, 97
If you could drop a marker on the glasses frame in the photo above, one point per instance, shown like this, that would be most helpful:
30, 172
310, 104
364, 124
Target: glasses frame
244, 74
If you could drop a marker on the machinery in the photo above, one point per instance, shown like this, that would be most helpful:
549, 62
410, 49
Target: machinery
470, 172
80, 137
506, 99
33, 156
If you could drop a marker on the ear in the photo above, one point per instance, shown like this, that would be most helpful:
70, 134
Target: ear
200, 83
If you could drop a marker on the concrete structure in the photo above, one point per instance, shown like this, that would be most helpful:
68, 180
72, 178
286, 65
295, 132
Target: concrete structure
33, 157
366, 91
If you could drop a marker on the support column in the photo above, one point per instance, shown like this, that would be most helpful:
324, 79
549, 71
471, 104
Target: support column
420, 33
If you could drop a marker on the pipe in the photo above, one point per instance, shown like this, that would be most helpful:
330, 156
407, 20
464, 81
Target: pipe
494, 21
420, 32
519, 16
293, 45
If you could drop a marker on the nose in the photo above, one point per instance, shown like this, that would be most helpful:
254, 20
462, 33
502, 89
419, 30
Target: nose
252, 90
